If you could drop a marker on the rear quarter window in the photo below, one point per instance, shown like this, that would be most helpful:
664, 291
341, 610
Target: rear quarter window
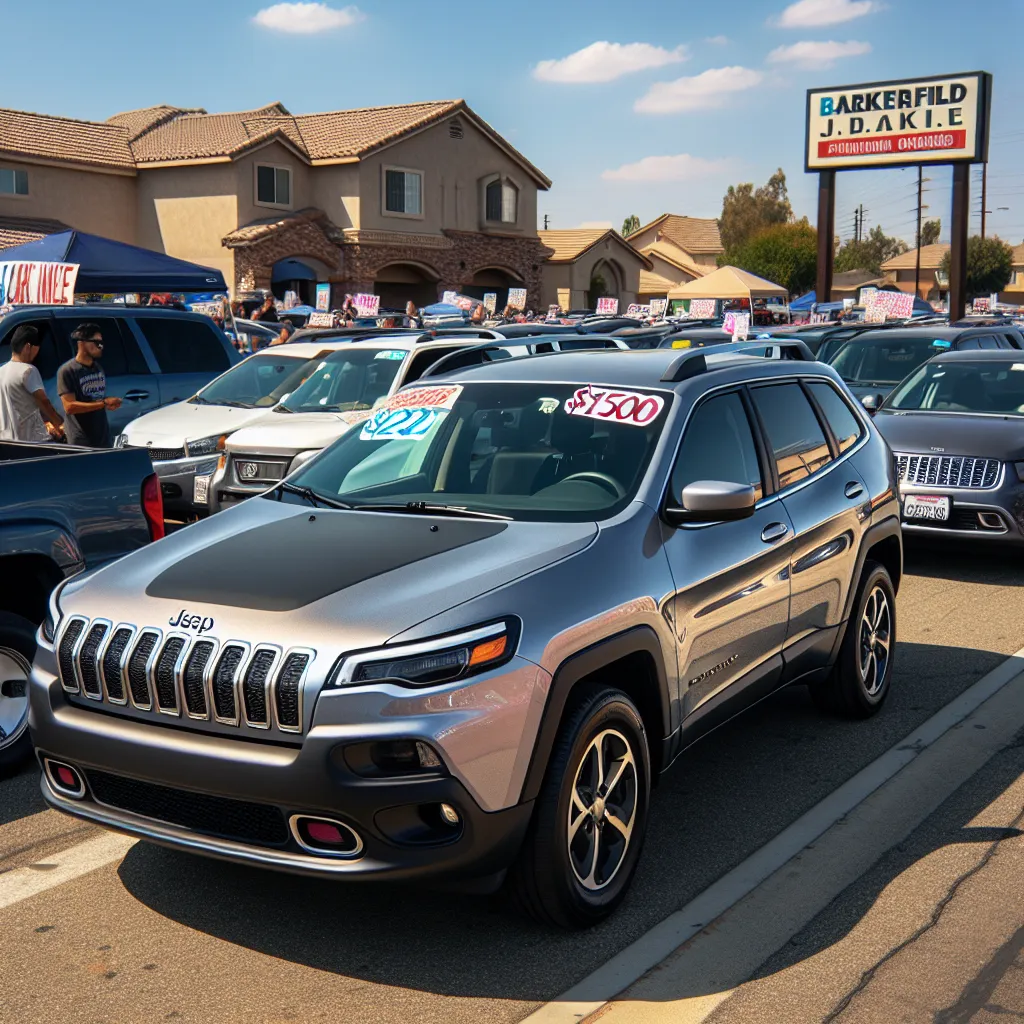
846, 428
184, 346
52, 353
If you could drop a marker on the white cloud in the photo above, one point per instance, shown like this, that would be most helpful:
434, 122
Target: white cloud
596, 224
681, 167
707, 90
307, 18
807, 54
813, 13
717, 40
604, 62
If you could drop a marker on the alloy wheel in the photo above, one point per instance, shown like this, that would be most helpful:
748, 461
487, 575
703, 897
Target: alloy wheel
14, 673
603, 809
875, 640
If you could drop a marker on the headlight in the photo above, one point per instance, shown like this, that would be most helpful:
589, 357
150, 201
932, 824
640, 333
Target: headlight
206, 445
301, 459
432, 662
120, 441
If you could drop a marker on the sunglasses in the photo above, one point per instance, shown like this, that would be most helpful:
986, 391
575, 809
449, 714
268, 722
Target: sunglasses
93, 341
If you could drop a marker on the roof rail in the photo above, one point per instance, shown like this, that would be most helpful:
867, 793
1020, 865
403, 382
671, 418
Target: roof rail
459, 332
694, 361
471, 355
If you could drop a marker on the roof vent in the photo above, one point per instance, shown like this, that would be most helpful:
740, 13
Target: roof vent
455, 130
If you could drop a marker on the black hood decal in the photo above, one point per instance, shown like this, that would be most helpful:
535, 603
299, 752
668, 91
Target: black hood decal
293, 562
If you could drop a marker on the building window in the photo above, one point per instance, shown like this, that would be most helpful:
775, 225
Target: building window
502, 202
12, 182
403, 192
273, 186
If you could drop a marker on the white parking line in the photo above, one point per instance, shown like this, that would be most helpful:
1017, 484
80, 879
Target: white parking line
594, 991
21, 883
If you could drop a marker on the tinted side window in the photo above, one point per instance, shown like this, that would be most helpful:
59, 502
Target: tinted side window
423, 360
968, 344
121, 354
52, 350
184, 346
794, 433
992, 341
845, 425
718, 445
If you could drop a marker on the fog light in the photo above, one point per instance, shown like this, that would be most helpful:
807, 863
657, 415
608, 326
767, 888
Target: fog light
325, 836
450, 815
399, 757
65, 779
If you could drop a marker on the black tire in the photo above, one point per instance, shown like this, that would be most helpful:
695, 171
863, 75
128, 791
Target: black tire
543, 882
860, 682
17, 649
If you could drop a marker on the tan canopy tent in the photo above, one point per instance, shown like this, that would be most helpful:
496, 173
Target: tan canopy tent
729, 283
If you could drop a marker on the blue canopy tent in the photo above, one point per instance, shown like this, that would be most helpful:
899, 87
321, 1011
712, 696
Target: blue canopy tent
109, 266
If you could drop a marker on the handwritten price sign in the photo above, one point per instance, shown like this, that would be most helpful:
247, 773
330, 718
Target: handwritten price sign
630, 407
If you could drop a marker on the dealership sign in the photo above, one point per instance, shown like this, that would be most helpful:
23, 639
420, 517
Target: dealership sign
936, 120
27, 281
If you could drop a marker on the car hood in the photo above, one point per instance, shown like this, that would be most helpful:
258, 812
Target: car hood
280, 433
173, 425
945, 433
275, 572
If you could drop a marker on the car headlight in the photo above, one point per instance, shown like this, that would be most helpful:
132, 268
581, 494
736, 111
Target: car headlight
206, 445
432, 662
120, 441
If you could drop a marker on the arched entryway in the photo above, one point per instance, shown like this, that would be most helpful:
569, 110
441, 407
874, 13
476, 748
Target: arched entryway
606, 281
493, 279
398, 283
293, 275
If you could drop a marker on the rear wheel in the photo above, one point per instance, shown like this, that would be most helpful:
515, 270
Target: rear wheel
588, 827
860, 681
17, 649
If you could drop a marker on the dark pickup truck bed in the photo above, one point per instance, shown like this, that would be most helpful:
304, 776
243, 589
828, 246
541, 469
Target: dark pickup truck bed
63, 511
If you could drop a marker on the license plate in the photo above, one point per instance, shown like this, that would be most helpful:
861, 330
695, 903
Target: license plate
201, 490
926, 506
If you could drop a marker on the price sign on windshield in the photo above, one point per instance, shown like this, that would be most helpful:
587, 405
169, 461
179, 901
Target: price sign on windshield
630, 407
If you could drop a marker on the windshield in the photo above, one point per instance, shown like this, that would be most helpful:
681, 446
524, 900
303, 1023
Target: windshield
257, 382
353, 378
954, 386
883, 360
528, 451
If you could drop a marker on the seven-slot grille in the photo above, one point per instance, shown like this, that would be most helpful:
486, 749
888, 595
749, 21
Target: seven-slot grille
947, 470
179, 675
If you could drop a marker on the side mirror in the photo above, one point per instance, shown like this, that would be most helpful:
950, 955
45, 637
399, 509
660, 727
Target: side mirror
871, 403
713, 501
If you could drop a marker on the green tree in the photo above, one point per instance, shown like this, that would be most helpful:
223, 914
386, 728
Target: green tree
785, 254
746, 210
870, 252
630, 224
989, 266
930, 230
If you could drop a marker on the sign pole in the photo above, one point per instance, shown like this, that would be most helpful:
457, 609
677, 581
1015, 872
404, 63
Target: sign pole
958, 241
826, 233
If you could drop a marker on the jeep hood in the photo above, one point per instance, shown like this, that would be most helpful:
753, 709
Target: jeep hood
269, 571
173, 425
278, 433
939, 433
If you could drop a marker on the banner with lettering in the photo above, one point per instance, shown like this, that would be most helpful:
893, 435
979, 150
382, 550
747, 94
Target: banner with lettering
321, 319
517, 298
491, 302
608, 306
658, 307
323, 296
702, 309
367, 305
25, 282
634, 309
884, 306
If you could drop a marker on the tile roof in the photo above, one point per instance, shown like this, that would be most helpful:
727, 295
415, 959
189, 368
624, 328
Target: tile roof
18, 230
250, 234
139, 121
652, 283
673, 254
692, 234
931, 258
571, 243
65, 139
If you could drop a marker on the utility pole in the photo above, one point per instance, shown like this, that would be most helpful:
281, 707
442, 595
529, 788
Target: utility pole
860, 228
984, 196
545, 222
917, 261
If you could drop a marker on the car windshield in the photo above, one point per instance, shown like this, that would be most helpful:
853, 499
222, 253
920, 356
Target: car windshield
352, 378
258, 382
996, 388
554, 452
883, 360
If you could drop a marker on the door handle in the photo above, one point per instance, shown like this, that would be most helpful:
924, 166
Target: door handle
773, 532
136, 396
853, 489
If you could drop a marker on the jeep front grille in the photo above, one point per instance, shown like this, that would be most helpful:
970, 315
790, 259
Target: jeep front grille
947, 471
234, 683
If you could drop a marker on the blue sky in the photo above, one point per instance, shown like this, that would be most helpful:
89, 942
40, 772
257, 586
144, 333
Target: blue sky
509, 63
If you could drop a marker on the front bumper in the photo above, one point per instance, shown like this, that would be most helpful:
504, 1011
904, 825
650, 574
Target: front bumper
177, 482
991, 515
170, 770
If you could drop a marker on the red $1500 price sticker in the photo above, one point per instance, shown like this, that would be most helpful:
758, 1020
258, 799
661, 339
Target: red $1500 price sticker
630, 407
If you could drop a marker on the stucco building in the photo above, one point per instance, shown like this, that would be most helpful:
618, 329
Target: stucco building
901, 271
587, 264
680, 249
402, 201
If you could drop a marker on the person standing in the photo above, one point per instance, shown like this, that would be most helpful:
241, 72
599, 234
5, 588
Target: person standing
25, 412
82, 386
412, 315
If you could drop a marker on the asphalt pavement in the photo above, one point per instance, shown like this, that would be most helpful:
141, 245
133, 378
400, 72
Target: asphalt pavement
161, 935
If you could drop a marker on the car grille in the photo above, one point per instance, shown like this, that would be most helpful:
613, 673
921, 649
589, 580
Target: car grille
251, 470
230, 682
218, 816
947, 471
160, 454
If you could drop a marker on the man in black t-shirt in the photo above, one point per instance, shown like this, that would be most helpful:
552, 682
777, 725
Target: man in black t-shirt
82, 386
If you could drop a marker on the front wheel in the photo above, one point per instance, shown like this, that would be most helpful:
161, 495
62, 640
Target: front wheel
588, 827
17, 649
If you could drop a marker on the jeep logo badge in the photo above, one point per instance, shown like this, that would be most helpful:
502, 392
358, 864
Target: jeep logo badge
185, 621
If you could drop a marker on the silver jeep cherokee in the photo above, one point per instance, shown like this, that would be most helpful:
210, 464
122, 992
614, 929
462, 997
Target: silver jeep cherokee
465, 639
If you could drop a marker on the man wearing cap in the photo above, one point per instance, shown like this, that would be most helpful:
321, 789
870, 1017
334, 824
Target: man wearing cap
82, 386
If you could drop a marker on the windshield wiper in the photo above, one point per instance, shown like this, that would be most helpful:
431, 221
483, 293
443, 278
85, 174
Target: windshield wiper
199, 400
427, 508
230, 402
281, 408
313, 497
